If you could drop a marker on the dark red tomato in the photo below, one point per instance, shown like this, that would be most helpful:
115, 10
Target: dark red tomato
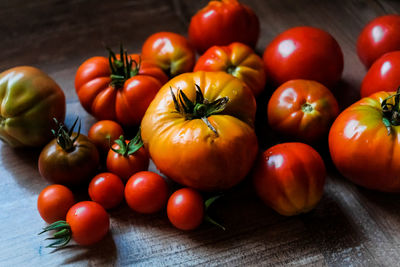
378, 37
304, 53
146, 192
104, 133
106, 189
54, 202
185, 209
384, 75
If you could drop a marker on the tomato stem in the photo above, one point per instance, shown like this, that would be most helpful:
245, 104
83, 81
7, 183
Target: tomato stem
307, 108
391, 111
61, 237
207, 218
64, 135
122, 69
129, 148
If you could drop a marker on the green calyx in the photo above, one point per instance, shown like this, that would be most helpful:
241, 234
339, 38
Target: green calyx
121, 69
207, 205
64, 135
391, 111
129, 148
61, 237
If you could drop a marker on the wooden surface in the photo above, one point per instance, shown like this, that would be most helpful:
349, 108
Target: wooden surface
350, 226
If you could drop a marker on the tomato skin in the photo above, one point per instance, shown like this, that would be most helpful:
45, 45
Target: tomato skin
223, 22
361, 148
146, 192
29, 100
238, 60
54, 202
304, 53
383, 75
185, 209
106, 189
103, 133
170, 51
89, 222
379, 36
290, 177
204, 158
302, 109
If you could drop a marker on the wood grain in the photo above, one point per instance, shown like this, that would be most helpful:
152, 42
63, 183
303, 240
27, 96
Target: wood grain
350, 226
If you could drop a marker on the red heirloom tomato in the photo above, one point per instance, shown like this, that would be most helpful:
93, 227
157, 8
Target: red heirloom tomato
146, 192
236, 59
290, 178
223, 22
69, 159
87, 223
119, 88
29, 101
384, 75
127, 157
106, 189
185, 209
304, 53
103, 133
54, 202
199, 130
378, 37
302, 109
364, 142
170, 51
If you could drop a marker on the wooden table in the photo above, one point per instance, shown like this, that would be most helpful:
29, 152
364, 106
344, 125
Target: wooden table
350, 226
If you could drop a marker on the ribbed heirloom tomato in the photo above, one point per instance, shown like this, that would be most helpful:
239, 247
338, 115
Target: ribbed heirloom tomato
199, 130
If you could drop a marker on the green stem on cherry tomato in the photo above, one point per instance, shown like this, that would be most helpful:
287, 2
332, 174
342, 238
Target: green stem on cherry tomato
207, 218
129, 148
391, 112
307, 108
64, 135
61, 237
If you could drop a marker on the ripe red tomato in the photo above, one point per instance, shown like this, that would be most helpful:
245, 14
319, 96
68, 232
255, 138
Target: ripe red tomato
378, 37
304, 53
127, 157
170, 51
185, 209
384, 75
290, 178
146, 192
223, 22
106, 189
103, 133
302, 109
54, 202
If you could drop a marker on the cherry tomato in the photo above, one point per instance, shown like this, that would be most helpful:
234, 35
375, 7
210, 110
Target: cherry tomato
103, 133
378, 37
54, 202
304, 53
185, 209
146, 192
384, 75
106, 189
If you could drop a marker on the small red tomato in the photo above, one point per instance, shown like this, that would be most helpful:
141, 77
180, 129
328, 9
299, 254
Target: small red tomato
185, 209
304, 53
378, 37
106, 189
103, 133
302, 109
54, 202
126, 158
146, 192
290, 178
384, 75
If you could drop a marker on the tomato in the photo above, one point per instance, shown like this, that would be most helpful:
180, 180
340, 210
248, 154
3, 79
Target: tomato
364, 142
106, 189
304, 53
185, 209
54, 202
127, 157
384, 75
29, 101
199, 130
237, 59
121, 91
170, 51
87, 223
378, 37
223, 22
69, 159
290, 178
302, 109
103, 133
146, 192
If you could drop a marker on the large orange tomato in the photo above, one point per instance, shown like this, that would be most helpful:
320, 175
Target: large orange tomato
199, 130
